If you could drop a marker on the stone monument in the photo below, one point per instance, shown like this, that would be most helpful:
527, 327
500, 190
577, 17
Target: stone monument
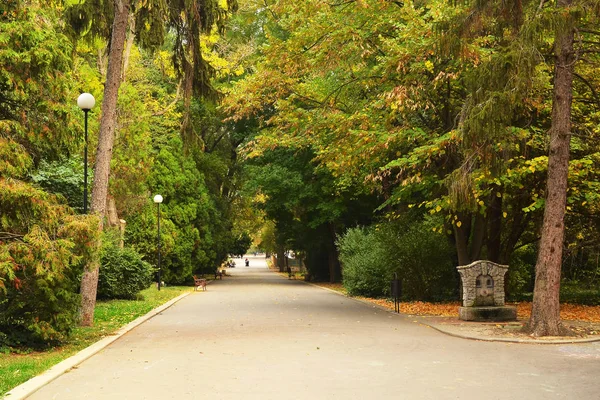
483, 292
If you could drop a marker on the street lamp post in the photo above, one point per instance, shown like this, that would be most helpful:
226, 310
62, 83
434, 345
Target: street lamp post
86, 102
158, 199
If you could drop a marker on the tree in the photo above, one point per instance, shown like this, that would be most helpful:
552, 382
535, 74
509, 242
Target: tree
89, 279
545, 314
41, 244
309, 211
189, 20
441, 107
381, 114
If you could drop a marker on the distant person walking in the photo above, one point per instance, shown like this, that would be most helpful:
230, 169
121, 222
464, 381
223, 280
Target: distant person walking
247, 262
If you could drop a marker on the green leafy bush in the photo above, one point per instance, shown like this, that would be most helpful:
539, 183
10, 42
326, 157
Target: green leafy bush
422, 258
521, 273
39, 273
577, 293
39, 305
365, 268
123, 273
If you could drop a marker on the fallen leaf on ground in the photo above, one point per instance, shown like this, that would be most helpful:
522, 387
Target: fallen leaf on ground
568, 312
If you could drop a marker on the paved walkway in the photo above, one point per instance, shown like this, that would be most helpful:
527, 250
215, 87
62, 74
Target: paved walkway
256, 335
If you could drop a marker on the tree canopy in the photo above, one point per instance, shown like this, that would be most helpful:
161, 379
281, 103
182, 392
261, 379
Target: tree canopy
318, 126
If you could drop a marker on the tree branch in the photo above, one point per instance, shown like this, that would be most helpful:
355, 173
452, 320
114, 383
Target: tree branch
10, 236
172, 104
589, 85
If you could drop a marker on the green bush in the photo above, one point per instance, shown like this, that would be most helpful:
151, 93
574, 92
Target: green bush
365, 270
577, 293
422, 258
39, 277
40, 304
521, 274
123, 273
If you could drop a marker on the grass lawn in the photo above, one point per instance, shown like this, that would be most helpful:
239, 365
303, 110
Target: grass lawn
109, 316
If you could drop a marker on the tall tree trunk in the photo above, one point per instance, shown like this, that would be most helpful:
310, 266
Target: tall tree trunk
545, 314
477, 237
188, 92
333, 256
281, 258
89, 280
494, 243
461, 238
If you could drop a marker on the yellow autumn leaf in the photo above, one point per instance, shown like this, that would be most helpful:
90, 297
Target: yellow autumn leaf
429, 66
504, 214
459, 224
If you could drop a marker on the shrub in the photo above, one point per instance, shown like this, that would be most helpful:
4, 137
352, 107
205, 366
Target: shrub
422, 258
365, 270
577, 293
521, 273
123, 273
41, 300
39, 275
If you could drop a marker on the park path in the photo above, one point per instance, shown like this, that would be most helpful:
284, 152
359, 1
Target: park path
256, 335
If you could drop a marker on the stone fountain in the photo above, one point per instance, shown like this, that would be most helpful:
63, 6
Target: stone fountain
483, 293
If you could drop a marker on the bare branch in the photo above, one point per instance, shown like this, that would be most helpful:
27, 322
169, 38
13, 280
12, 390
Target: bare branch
10, 236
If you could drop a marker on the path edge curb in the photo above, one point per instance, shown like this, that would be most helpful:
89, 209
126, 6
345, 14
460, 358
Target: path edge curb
509, 340
29, 387
458, 335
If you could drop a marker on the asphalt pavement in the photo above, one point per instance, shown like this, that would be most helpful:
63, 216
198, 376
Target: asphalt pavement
258, 335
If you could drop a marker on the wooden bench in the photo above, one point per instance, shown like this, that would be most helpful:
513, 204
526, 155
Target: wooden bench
199, 282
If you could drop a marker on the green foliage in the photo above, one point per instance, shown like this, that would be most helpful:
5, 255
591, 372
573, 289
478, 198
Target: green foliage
307, 206
123, 273
267, 240
366, 271
576, 292
41, 303
65, 178
188, 218
443, 108
35, 86
423, 259
42, 246
242, 244
521, 272
39, 277
42, 252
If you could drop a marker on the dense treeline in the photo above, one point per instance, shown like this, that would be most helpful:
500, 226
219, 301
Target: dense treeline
443, 115
393, 137
49, 54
